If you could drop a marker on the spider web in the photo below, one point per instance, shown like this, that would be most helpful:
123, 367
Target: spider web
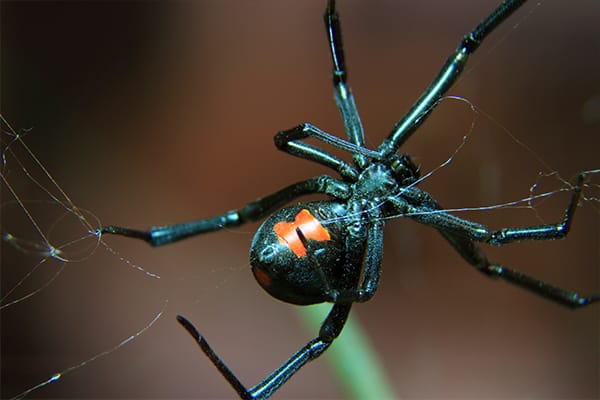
82, 308
44, 233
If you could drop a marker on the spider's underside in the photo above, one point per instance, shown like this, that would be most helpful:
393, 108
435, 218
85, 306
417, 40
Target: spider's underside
378, 185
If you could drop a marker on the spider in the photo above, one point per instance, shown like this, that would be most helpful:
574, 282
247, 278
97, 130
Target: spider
331, 250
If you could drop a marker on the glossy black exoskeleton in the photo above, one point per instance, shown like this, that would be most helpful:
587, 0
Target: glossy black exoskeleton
331, 250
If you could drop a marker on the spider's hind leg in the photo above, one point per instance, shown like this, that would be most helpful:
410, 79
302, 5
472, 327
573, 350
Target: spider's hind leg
330, 329
476, 258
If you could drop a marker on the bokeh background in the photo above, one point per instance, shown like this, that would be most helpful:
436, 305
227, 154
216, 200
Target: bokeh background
149, 113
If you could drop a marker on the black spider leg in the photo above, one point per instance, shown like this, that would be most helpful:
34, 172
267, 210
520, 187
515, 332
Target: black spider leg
353, 289
290, 140
445, 79
363, 243
316, 266
462, 234
330, 329
160, 235
342, 93
365, 226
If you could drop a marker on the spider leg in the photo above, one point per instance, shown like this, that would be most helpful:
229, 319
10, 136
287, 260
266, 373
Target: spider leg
462, 234
542, 232
445, 79
476, 258
427, 211
372, 256
161, 235
330, 329
289, 141
342, 93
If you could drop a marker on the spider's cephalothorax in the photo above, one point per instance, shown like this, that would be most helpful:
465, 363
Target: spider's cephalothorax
331, 250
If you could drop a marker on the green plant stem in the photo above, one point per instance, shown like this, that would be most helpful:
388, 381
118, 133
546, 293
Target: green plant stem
352, 358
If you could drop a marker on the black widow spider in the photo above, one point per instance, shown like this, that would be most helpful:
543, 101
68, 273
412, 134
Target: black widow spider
331, 250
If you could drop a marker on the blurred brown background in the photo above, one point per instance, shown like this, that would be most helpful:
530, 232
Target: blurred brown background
150, 113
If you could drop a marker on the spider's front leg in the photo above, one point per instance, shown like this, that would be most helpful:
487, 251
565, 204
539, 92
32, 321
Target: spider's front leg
448, 75
290, 140
341, 91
